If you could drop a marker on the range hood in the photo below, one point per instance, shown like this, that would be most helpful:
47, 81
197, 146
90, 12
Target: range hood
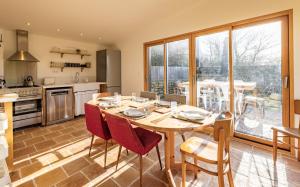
22, 53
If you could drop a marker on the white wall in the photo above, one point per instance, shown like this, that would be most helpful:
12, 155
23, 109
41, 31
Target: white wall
203, 15
39, 46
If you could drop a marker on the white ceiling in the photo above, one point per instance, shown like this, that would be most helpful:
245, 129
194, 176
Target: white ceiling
112, 20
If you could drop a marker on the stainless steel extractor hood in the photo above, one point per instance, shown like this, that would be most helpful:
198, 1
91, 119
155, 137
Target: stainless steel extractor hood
22, 53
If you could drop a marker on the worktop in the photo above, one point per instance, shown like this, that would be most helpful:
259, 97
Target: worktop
69, 84
7, 99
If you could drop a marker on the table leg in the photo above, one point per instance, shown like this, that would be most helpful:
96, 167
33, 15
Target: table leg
169, 157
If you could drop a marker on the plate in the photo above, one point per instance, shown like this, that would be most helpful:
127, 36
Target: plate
192, 115
141, 99
133, 112
164, 103
107, 98
106, 104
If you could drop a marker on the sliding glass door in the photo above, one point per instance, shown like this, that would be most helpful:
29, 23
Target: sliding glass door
212, 80
242, 68
259, 70
156, 69
177, 53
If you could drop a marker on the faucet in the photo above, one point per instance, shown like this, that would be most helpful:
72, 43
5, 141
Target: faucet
77, 77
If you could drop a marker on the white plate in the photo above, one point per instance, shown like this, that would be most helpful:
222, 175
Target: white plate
107, 98
192, 115
164, 103
106, 104
132, 112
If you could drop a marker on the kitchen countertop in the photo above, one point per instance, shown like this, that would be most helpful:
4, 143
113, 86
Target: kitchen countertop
10, 97
69, 84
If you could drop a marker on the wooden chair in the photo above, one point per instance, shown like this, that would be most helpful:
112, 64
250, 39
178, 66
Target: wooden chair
216, 153
149, 95
287, 132
180, 99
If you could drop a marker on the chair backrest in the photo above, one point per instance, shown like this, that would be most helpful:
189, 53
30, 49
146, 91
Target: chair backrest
223, 133
180, 99
149, 95
95, 122
123, 133
224, 122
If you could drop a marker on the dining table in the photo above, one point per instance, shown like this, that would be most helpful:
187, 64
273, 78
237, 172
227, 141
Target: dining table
161, 119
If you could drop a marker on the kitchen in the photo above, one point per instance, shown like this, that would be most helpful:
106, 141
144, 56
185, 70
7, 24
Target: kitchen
149, 93
52, 79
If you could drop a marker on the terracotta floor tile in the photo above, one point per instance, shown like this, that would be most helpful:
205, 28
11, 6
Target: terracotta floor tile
50, 178
15, 175
19, 145
50, 163
27, 184
30, 169
34, 140
63, 138
148, 181
24, 151
44, 144
76, 165
126, 176
77, 179
67, 130
108, 183
93, 171
22, 137
52, 134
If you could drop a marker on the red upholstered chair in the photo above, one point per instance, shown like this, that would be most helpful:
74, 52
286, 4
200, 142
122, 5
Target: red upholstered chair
96, 124
138, 140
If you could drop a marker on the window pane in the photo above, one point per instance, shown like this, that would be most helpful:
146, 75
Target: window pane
212, 71
156, 69
178, 67
257, 75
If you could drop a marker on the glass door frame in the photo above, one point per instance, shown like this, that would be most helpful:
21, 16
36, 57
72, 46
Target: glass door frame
288, 61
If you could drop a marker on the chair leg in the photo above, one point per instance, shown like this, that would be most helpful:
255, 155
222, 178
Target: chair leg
230, 178
274, 146
183, 137
91, 144
195, 170
141, 170
127, 152
183, 169
221, 179
119, 153
158, 155
105, 153
298, 149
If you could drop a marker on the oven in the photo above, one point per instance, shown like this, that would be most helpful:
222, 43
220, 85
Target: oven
27, 111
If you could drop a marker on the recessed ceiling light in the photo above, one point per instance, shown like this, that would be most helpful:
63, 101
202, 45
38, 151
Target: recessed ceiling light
81, 34
99, 38
28, 23
58, 30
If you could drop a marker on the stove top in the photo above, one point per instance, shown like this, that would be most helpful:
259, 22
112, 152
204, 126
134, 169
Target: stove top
23, 86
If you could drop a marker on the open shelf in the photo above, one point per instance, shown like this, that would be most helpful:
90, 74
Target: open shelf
62, 53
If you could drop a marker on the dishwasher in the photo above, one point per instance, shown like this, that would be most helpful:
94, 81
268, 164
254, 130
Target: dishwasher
59, 104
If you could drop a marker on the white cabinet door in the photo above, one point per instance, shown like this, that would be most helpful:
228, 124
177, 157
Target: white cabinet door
80, 99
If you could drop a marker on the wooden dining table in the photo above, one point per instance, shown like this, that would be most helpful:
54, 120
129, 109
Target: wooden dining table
160, 120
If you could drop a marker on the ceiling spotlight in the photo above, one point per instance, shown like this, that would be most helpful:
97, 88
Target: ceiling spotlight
28, 23
81, 34
58, 30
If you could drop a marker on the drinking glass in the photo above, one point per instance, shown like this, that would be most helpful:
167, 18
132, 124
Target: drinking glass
173, 107
157, 98
133, 96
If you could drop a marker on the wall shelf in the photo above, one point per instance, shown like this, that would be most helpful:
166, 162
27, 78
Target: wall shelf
62, 53
63, 65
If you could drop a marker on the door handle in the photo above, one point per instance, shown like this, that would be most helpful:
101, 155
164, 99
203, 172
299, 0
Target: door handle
286, 82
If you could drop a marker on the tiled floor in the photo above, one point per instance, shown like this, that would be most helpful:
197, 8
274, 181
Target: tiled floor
57, 155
